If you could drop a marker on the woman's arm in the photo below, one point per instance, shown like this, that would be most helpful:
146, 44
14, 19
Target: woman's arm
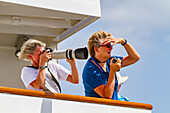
106, 91
133, 55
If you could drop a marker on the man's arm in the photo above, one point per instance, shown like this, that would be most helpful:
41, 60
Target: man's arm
74, 76
39, 83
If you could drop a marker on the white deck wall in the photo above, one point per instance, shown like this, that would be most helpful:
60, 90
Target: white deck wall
10, 68
24, 104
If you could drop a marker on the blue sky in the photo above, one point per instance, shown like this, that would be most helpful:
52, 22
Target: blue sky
146, 25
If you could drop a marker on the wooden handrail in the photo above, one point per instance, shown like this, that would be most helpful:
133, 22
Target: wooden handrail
74, 98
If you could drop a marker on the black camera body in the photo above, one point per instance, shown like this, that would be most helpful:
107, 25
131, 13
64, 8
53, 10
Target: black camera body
114, 60
51, 50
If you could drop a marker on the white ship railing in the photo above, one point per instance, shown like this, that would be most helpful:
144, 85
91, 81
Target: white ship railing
14, 100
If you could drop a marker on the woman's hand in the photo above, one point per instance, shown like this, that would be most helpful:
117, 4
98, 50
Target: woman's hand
113, 41
115, 66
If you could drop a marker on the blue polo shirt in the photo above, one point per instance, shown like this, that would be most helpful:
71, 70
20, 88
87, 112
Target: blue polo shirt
93, 77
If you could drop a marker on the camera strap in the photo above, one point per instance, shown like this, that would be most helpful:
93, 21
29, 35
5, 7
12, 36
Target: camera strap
55, 80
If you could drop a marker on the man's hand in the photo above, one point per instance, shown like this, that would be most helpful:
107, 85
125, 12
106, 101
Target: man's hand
45, 57
71, 61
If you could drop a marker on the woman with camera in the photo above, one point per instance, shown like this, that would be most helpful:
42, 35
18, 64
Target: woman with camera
99, 74
44, 75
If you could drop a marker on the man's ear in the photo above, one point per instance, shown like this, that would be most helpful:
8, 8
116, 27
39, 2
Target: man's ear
29, 56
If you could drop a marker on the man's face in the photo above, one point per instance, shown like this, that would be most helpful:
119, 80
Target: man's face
36, 55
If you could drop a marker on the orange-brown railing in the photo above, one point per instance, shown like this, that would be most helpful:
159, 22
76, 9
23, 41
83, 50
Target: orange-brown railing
74, 98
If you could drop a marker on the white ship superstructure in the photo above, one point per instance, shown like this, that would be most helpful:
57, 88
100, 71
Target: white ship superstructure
50, 21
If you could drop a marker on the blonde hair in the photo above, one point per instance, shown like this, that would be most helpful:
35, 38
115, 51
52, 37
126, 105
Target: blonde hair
28, 48
94, 40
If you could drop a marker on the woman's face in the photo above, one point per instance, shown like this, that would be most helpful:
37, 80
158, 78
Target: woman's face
105, 49
35, 57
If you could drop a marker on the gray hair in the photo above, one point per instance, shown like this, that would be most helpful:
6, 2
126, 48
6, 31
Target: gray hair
28, 48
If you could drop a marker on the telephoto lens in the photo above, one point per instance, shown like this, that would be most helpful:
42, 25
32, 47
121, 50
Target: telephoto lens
79, 53
51, 50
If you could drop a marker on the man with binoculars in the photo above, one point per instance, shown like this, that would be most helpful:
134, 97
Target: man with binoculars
43, 74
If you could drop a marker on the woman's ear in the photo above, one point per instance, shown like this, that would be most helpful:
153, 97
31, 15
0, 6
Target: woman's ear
96, 49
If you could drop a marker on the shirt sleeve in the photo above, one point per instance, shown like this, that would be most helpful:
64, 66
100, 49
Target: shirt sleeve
62, 72
28, 76
93, 77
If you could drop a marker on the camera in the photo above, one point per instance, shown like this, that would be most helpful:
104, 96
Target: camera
79, 53
114, 60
